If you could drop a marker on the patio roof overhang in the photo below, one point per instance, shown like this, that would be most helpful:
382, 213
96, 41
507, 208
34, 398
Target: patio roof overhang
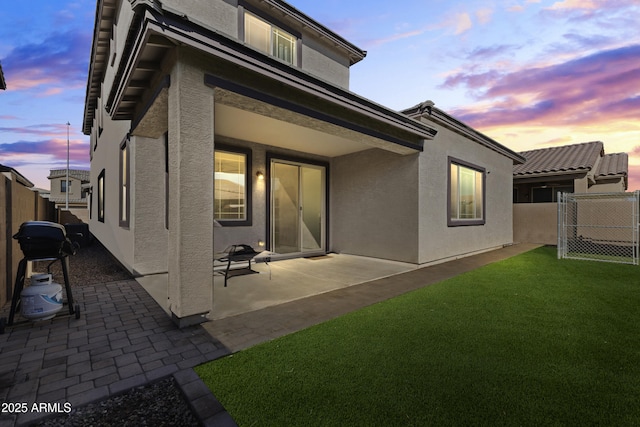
290, 104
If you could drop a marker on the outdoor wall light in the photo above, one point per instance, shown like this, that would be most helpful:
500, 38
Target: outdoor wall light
260, 175
261, 243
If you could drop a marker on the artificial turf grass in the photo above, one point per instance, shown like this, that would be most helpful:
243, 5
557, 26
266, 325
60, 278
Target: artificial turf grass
526, 341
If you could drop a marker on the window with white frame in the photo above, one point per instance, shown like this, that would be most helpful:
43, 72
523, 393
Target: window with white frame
466, 194
269, 39
232, 187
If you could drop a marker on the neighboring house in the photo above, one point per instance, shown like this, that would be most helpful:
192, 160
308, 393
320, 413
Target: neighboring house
16, 176
576, 168
3, 84
77, 189
240, 112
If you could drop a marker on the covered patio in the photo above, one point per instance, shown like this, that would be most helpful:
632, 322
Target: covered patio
283, 281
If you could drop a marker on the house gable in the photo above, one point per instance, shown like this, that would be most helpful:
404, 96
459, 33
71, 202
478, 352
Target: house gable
427, 112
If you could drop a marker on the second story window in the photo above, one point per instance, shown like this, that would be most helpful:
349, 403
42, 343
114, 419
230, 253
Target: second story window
63, 186
269, 39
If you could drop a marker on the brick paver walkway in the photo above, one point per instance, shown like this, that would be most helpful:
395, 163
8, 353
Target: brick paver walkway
122, 340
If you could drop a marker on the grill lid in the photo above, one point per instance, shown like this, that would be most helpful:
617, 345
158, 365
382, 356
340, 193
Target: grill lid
42, 230
44, 239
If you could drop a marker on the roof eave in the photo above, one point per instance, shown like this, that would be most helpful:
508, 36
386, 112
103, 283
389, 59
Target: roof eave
216, 44
550, 174
96, 68
450, 122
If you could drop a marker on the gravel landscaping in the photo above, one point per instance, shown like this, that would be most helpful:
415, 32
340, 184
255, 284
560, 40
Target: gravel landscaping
90, 265
159, 404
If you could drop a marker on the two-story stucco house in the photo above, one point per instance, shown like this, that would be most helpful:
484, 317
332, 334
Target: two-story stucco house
76, 190
239, 111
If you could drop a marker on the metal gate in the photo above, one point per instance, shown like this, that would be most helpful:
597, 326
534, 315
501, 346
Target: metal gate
599, 227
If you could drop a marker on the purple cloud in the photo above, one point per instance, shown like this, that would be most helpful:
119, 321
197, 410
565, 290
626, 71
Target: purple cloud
61, 59
489, 52
580, 11
22, 151
57, 130
591, 42
591, 89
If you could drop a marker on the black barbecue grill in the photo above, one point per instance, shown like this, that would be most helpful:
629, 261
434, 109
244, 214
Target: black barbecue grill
42, 241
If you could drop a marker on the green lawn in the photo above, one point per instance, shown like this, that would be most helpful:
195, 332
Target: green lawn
527, 341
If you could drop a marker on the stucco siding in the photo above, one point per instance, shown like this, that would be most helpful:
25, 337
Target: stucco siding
318, 58
323, 62
191, 145
218, 15
148, 206
75, 188
438, 241
118, 240
535, 223
374, 205
615, 185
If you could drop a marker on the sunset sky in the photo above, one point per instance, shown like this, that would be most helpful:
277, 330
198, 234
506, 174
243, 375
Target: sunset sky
528, 73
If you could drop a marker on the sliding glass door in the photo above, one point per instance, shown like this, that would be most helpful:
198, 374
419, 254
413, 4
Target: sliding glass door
297, 207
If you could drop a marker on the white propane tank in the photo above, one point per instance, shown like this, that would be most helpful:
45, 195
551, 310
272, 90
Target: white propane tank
43, 299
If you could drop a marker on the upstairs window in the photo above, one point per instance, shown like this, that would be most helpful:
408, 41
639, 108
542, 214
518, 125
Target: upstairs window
63, 185
269, 39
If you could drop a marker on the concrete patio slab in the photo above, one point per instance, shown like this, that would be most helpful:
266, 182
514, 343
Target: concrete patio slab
283, 281
244, 330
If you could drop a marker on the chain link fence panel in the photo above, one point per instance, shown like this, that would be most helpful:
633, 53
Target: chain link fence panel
598, 227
